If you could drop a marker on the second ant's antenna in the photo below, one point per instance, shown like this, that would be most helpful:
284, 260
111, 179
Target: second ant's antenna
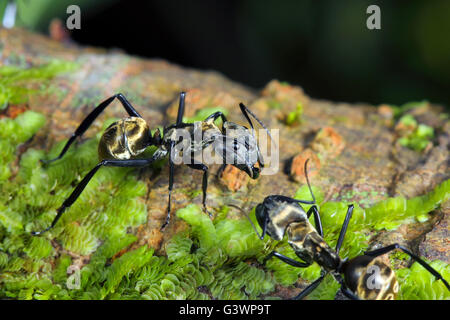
307, 180
247, 216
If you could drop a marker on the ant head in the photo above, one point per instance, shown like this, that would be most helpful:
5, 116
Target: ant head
253, 172
263, 216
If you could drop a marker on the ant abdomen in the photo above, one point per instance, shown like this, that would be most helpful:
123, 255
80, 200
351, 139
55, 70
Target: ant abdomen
370, 278
124, 139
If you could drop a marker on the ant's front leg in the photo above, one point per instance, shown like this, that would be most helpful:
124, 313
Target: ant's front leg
86, 123
82, 185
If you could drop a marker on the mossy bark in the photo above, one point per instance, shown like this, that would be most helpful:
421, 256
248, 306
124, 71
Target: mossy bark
355, 149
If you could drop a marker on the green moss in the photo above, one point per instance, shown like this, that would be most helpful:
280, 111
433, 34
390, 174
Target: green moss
400, 209
38, 248
28, 202
326, 290
201, 225
418, 136
389, 214
274, 104
295, 116
14, 132
224, 245
416, 283
401, 110
212, 259
60, 272
17, 83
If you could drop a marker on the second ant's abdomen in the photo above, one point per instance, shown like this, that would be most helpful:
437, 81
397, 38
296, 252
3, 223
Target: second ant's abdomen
377, 282
124, 139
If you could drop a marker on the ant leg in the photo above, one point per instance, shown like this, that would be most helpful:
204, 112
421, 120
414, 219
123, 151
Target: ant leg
215, 116
247, 111
180, 126
82, 185
310, 288
221, 169
344, 228
317, 220
348, 293
181, 109
291, 200
204, 168
287, 260
171, 174
86, 123
381, 251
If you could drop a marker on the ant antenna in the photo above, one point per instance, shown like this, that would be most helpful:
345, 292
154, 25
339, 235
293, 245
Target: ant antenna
245, 110
307, 180
246, 215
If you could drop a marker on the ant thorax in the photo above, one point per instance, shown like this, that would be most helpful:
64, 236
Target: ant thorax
195, 141
310, 246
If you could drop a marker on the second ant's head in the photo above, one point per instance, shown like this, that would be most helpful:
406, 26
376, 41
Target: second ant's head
276, 213
268, 220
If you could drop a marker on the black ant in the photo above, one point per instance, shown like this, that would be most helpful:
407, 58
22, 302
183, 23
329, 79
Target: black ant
365, 277
125, 139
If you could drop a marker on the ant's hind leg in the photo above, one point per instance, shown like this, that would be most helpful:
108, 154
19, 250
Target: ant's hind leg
82, 185
381, 251
86, 123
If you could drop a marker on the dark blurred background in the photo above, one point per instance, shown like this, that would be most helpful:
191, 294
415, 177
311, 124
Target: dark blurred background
323, 46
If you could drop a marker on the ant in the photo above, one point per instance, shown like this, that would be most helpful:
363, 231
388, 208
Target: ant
365, 277
125, 139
